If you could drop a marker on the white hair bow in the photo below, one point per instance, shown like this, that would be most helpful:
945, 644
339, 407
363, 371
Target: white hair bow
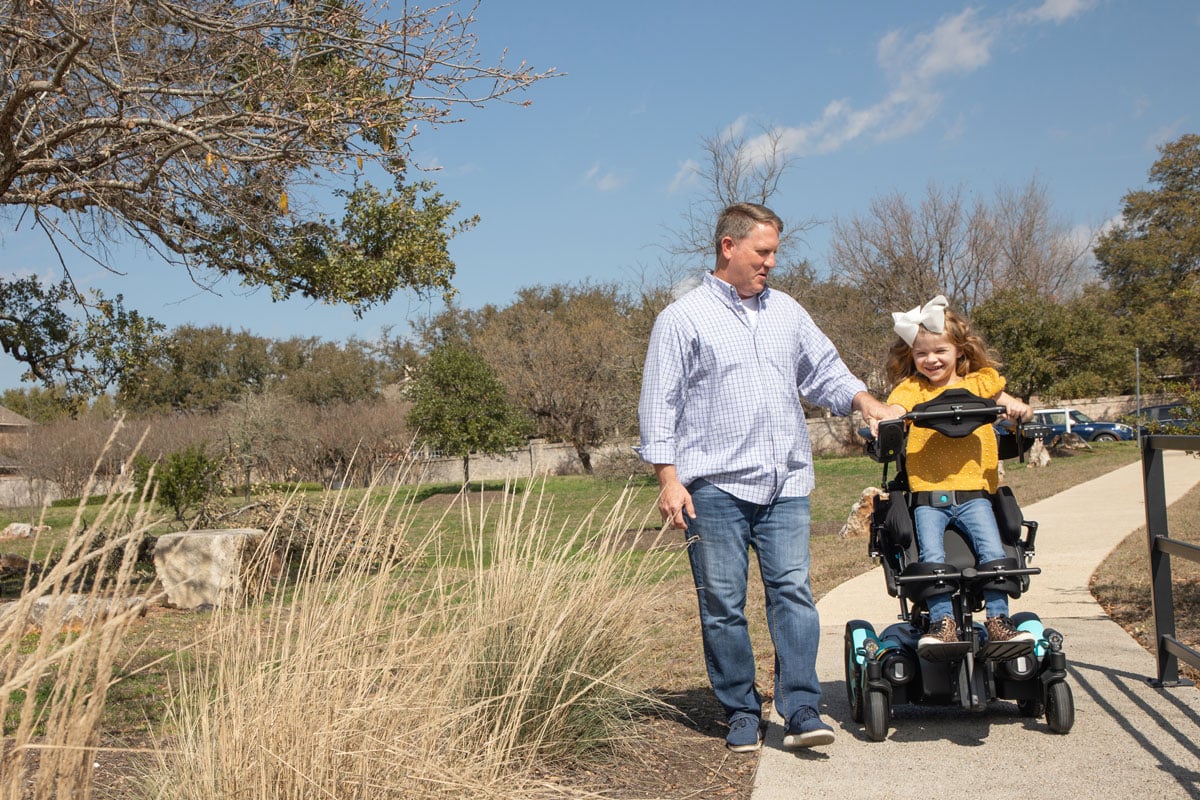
932, 315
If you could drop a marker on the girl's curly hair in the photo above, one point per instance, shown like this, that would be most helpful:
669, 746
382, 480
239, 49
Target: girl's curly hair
973, 352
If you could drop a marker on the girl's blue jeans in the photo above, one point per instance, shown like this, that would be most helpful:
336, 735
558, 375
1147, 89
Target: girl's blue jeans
974, 518
720, 536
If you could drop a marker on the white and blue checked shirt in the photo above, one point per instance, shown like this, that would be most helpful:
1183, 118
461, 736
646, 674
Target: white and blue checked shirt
721, 396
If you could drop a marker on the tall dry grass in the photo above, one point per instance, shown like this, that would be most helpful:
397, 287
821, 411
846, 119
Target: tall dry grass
395, 669
55, 675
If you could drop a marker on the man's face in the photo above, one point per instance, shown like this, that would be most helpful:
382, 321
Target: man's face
744, 264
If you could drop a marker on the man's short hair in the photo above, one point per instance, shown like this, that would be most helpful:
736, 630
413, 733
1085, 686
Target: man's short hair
737, 220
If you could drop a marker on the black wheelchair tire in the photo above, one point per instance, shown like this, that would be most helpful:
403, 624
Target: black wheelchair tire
1033, 708
1060, 707
877, 714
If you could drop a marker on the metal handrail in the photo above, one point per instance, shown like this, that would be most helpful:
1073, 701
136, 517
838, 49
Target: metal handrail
1168, 649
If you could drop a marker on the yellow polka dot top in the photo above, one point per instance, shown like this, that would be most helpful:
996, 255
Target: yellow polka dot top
940, 462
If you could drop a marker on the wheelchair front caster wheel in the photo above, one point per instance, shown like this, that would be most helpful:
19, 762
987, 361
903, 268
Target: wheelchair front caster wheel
877, 712
1060, 707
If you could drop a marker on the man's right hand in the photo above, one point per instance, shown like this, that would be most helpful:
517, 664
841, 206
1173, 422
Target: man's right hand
674, 500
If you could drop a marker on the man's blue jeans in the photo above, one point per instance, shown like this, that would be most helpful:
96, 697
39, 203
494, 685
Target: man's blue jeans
978, 521
721, 534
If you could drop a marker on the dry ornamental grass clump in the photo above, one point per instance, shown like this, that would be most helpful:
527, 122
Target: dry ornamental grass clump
391, 671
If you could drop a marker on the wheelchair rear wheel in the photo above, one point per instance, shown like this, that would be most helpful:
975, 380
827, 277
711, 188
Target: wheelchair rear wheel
1031, 708
854, 670
854, 694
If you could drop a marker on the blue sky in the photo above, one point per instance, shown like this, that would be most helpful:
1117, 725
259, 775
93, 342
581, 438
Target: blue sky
871, 98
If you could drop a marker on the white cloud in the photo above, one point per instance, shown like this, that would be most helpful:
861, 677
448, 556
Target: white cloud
913, 64
686, 177
957, 45
603, 179
686, 284
1083, 237
1110, 224
1058, 10
916, 66
737, 128
1167, 133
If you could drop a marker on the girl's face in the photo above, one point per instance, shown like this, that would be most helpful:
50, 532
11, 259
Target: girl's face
935, 357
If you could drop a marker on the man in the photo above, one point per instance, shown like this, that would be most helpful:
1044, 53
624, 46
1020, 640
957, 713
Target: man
721, 422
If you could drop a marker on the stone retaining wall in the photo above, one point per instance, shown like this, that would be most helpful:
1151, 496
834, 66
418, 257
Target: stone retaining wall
831, 435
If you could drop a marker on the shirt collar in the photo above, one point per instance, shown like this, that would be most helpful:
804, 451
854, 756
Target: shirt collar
728, 293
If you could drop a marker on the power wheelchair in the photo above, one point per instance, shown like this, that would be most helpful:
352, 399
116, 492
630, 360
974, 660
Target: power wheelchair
884, 668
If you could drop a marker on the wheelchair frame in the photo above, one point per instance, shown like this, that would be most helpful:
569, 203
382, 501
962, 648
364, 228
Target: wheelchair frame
884, 669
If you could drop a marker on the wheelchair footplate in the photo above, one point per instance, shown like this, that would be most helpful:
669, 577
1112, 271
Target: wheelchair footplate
944, 651
1002, 651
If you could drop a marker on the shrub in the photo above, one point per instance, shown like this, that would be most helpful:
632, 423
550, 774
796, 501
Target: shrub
183, 481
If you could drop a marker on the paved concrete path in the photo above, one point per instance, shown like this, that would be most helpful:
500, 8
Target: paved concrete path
1129, 739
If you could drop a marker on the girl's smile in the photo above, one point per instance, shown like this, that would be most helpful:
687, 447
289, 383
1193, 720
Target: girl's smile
935, 357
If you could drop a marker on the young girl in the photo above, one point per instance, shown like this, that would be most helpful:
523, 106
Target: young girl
936, 351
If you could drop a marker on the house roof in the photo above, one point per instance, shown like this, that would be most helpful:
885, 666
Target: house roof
12, 418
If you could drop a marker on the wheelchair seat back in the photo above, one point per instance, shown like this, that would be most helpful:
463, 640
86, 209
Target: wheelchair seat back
897, 545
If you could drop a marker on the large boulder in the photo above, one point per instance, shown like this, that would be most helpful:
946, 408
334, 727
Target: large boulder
212, 568
22, 530
71, 611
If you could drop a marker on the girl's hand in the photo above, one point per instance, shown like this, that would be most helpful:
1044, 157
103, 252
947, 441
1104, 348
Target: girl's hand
1015, 410
1018, 411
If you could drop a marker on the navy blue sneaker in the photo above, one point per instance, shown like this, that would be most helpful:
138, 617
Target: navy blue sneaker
745, 733
806, 729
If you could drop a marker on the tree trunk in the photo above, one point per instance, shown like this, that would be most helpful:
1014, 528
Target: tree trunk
585, 458
466, 469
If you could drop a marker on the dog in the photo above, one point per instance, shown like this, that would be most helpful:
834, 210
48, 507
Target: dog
1038, 455
859, 521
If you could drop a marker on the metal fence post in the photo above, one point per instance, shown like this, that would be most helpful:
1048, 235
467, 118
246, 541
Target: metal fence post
1162, 602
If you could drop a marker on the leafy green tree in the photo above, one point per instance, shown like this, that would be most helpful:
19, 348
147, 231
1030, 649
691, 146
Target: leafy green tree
199, 369
321, 373
452, 325
460, 407
39, 404
1054, 349
396, 358
198, 128
1151, 259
